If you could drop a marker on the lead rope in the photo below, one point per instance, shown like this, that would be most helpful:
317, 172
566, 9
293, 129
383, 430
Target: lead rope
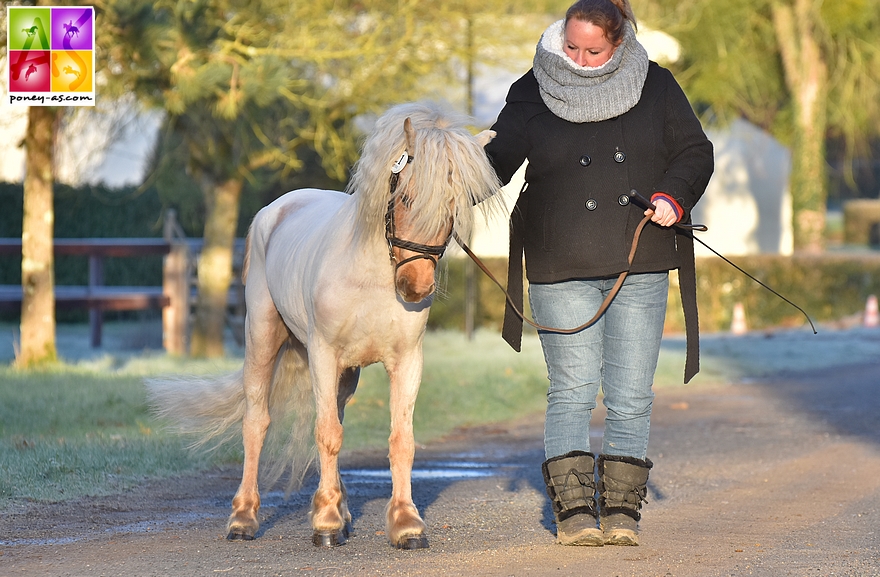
602, 308
632, 252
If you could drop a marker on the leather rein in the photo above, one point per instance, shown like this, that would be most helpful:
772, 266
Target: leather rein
435, 252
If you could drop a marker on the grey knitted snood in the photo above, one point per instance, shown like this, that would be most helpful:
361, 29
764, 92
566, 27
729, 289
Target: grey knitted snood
582, 94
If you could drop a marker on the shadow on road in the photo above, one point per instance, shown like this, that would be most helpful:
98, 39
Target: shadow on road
846, 398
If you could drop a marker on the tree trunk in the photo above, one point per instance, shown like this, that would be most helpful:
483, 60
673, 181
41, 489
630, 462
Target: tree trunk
806, 75
215, 268
37, 235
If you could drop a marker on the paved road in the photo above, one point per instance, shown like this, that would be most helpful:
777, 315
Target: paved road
777, 476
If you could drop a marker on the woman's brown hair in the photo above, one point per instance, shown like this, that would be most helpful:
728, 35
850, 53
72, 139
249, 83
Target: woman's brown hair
609, 15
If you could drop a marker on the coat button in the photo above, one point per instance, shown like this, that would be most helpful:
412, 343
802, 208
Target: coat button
591, 204
585, 160
619, 156
623, 199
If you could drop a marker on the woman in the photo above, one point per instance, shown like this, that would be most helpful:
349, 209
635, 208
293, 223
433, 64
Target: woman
596, 120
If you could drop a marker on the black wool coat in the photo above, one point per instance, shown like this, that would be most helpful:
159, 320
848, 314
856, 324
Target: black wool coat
577, 222
574, 218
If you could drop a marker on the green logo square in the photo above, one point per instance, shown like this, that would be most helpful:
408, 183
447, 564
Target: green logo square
29, 28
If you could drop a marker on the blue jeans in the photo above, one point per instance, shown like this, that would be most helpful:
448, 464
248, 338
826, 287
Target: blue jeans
619, 354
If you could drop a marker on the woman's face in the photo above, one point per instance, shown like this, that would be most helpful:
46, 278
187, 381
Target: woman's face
586, 44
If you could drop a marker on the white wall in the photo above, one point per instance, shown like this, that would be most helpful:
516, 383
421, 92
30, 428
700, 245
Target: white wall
109, 143
13, 122
747, 205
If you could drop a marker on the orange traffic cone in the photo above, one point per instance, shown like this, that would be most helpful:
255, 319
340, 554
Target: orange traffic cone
872, 318
738, 326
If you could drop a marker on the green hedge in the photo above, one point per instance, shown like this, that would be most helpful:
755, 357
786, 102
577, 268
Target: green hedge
85, 212
448, 310
89, 212
828, 287
100, 212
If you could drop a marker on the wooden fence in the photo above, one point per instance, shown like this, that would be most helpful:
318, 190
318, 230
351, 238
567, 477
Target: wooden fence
174, 297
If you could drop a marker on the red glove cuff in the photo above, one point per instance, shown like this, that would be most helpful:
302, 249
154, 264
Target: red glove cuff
675, 206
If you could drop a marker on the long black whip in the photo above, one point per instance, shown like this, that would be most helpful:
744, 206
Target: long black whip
700, 227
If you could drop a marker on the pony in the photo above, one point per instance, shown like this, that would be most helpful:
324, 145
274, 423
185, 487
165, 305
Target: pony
335, 281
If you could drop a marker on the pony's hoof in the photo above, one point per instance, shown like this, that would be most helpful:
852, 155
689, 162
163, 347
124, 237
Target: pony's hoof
412, 542
330, 538
239, 535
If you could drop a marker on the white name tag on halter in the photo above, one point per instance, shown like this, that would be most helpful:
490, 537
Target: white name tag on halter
401, 162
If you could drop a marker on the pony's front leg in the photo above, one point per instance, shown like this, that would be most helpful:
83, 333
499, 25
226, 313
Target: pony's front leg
329, 515
403, 525
261, 350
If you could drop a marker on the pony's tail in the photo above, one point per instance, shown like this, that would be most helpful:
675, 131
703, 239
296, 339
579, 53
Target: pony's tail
205, 408
211, 409
290, 441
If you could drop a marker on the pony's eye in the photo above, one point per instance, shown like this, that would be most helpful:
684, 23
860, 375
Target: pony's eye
406, 200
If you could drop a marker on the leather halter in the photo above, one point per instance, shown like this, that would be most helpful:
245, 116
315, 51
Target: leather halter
429, 252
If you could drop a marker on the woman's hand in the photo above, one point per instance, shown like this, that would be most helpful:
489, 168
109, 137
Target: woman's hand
665, 215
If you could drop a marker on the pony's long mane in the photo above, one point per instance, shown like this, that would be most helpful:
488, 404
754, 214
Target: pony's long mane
449, 175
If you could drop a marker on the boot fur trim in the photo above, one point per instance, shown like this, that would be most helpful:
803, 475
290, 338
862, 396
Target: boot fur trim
569, 513
609, 511
645, 464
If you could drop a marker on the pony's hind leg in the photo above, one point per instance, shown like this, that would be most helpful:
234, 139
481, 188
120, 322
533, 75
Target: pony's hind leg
403, 524
330, 516
348, 383
263, 339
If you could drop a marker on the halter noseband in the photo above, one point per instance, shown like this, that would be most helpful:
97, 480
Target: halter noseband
430, 252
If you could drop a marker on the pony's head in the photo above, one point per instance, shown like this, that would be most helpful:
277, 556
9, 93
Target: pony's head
417, 201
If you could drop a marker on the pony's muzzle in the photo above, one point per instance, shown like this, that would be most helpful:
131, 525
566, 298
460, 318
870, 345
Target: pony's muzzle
412, 291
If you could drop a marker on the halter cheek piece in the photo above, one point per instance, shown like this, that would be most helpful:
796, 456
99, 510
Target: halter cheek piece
425, 251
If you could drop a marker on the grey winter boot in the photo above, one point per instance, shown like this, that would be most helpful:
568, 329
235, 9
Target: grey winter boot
623, 487
571, 487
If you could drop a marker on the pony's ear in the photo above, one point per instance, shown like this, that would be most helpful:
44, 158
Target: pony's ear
410, 136
485, 137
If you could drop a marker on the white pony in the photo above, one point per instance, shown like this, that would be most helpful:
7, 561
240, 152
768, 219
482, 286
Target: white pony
335, 282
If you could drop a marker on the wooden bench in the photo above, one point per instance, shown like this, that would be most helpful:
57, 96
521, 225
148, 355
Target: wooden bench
172, 297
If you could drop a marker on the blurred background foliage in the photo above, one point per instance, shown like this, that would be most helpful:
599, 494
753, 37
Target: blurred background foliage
806, 71
280, 91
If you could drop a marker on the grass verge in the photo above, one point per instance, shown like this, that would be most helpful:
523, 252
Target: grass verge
85, 429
